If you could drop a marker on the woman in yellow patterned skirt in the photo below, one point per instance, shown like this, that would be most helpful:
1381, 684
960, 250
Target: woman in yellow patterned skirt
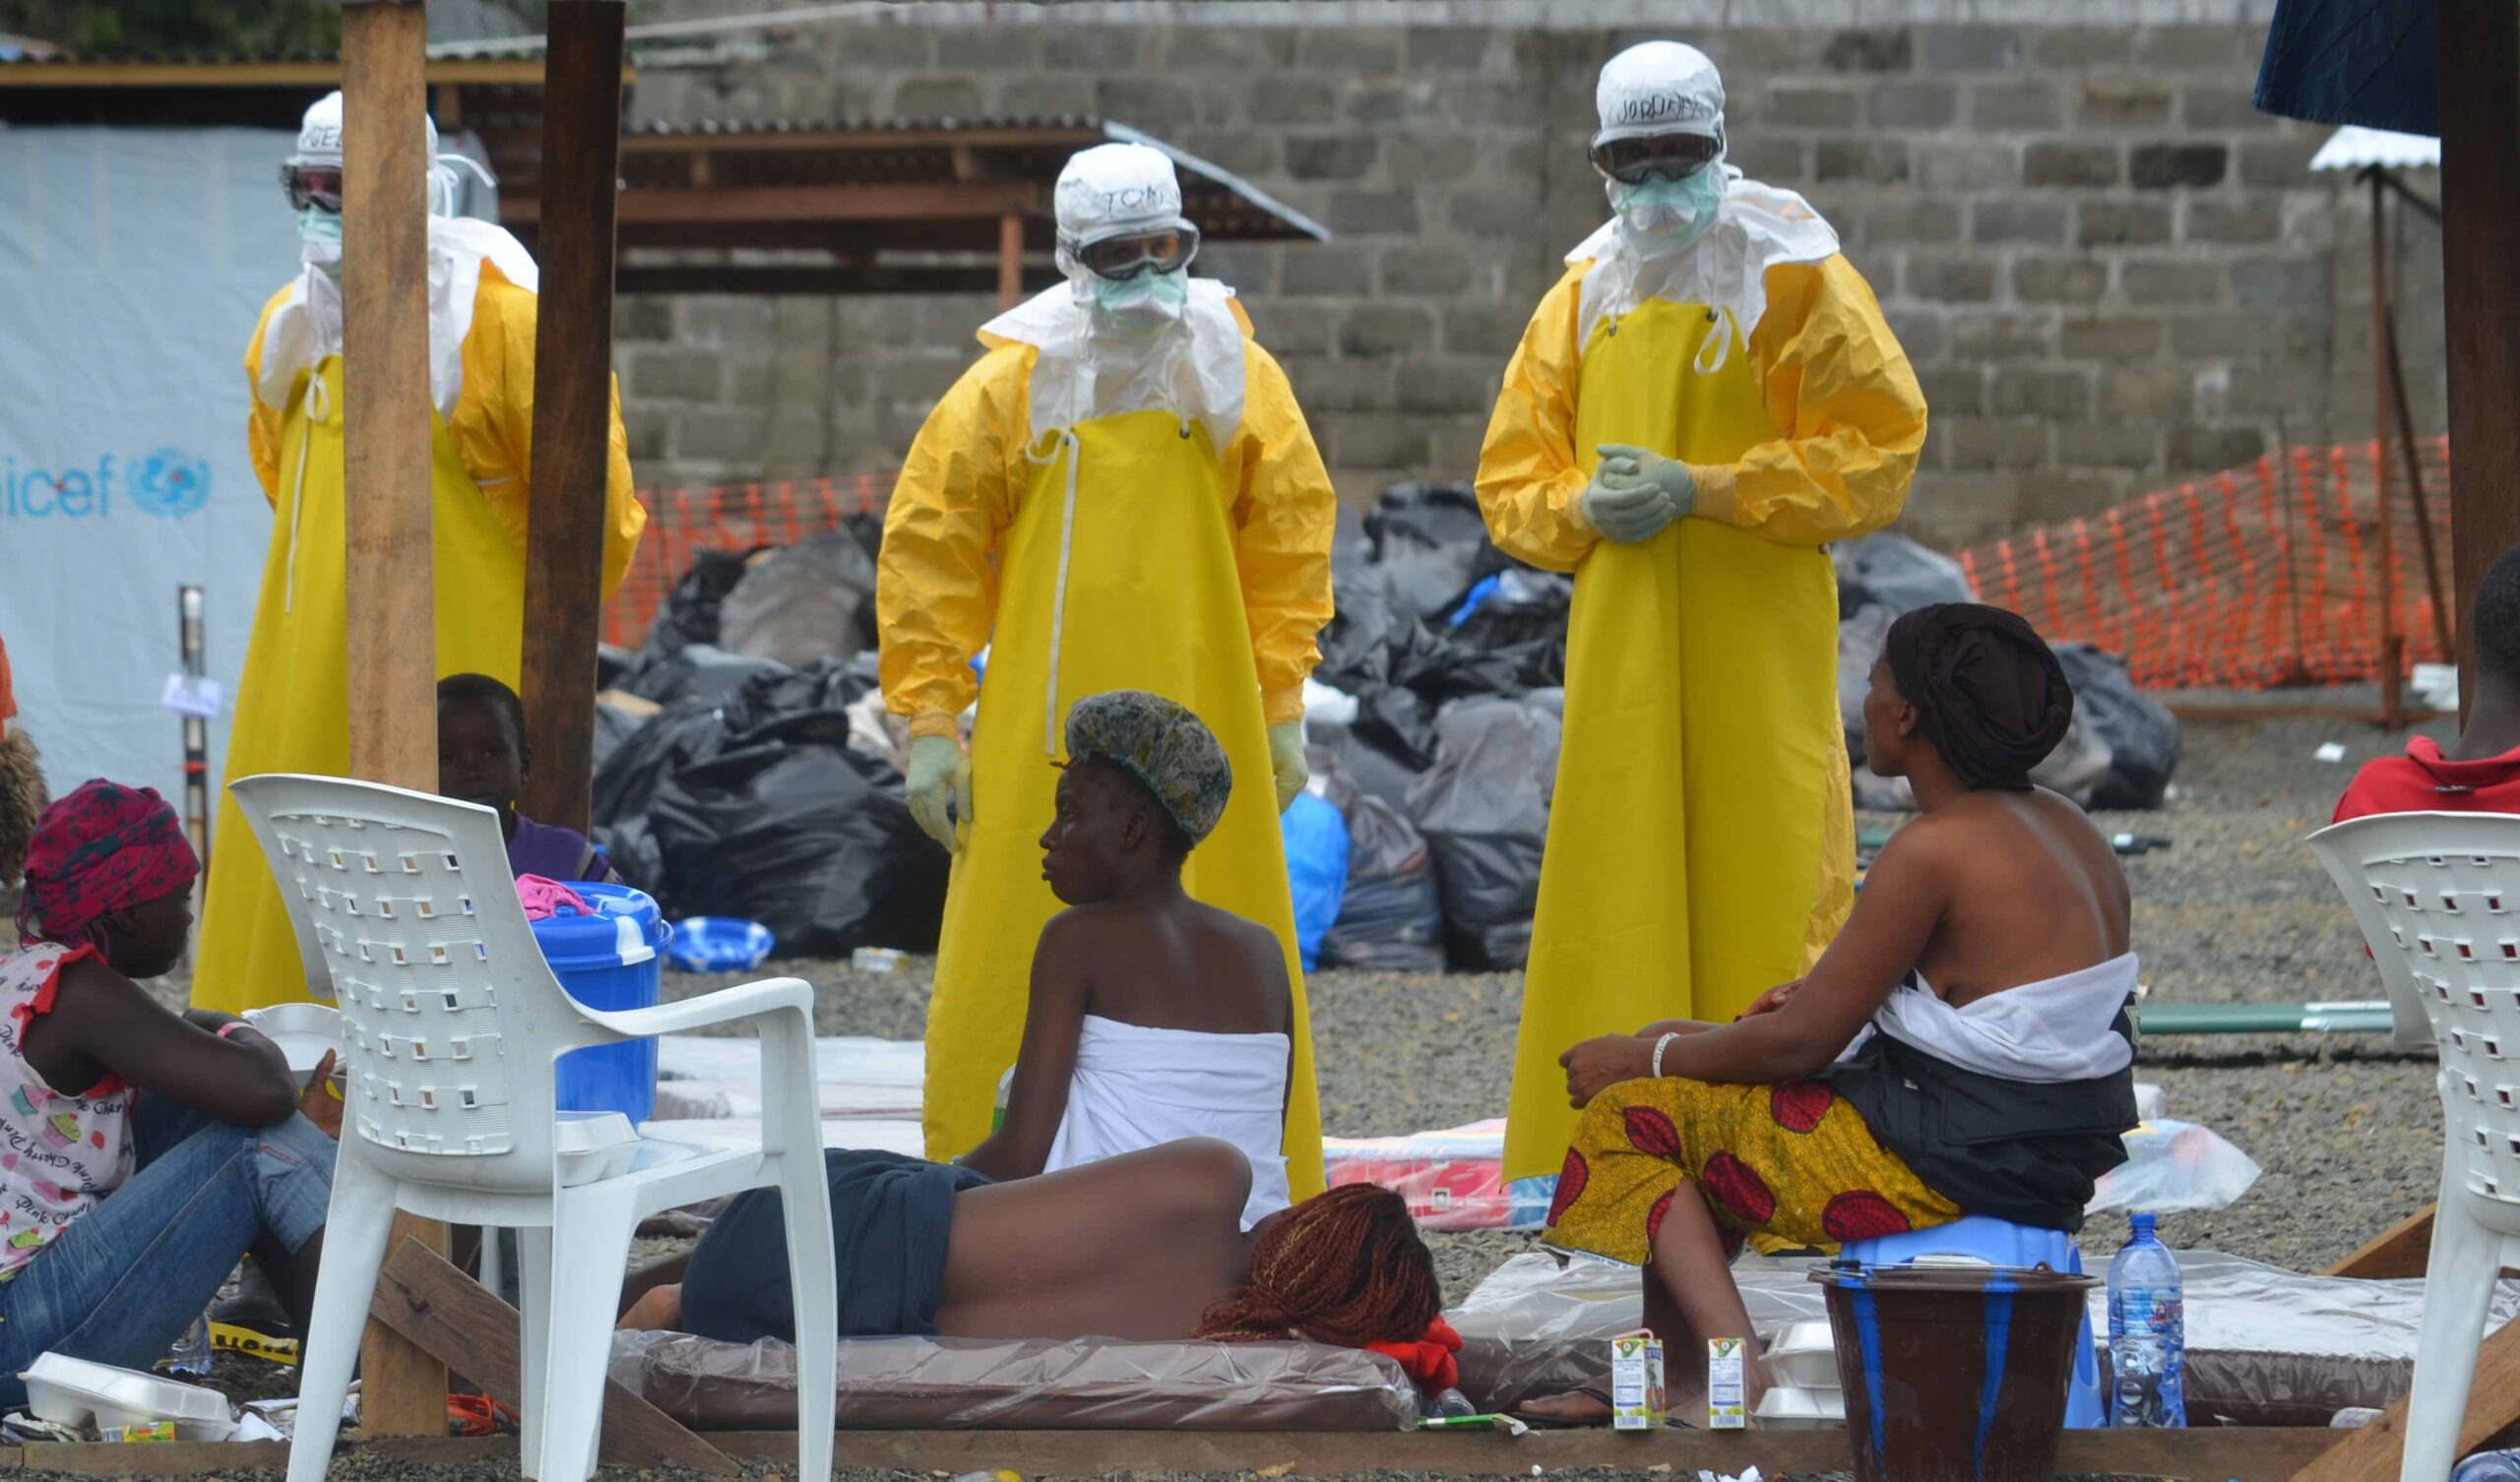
1962, 1048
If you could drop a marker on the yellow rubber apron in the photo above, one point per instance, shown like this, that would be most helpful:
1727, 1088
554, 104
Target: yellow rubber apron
293, 701
1122, 548
1701, 839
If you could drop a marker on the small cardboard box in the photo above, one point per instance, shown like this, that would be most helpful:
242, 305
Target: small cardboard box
1724, 1410
1637, 1398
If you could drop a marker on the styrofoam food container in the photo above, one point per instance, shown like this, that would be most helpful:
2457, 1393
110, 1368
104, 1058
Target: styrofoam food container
303, 1031
593, 1145
1788, 1409
75, 1392
1804, 1356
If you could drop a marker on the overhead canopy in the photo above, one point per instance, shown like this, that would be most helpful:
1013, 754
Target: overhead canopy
843, 206
2354, 148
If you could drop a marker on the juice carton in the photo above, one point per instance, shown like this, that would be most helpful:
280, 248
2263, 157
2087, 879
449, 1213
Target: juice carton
1637, 1398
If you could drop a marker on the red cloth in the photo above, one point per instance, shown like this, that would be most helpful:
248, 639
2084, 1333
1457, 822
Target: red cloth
2424, 781
103, 847
1429, 1360
8, 695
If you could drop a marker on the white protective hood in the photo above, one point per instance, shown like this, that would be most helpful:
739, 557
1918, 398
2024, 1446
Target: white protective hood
1192, 368
1761, 225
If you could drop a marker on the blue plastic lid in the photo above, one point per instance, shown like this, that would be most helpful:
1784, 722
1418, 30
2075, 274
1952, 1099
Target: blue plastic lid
624, 929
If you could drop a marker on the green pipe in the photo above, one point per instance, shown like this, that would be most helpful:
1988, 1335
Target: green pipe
2368, 1018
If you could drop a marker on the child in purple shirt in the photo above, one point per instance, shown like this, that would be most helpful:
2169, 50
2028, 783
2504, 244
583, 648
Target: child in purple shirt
482, 757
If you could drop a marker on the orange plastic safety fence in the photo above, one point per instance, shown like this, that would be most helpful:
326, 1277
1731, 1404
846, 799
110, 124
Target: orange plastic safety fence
2258, 577
681, 522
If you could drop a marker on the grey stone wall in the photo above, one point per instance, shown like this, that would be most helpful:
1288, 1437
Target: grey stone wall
2110, 272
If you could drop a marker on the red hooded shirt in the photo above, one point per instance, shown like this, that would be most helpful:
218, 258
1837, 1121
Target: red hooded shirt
2424, 781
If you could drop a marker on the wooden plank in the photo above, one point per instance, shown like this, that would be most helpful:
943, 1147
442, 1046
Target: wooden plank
312, 72
423, 1297
572, 405
832, 281
797, 141
2494, 1401
389, 567
979, 200
2479, 67
1010, 260
2404, 1249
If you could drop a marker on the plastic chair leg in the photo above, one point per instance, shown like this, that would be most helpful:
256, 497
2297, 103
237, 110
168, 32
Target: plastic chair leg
590, 1250
534, 1348
493, 1268
2458, 1289
355, 1228
804, 1197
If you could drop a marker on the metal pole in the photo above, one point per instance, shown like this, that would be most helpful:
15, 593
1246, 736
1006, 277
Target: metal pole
2392, 657
196, 728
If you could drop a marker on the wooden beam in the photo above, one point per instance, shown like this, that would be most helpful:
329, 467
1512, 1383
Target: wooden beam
572, 405
419, 1295
781, 140
838, 282
2213, 1453
2404, 1249
389, 572
315, 72
2494, 1401
1010, 260
980, 200
2479, 66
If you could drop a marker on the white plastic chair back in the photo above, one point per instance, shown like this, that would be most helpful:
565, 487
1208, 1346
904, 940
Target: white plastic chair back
2437, 895
451, 1019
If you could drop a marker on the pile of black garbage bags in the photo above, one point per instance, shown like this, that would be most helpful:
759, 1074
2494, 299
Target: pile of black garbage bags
745, 765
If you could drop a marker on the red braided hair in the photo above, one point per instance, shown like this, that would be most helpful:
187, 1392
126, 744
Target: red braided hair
1345, 1268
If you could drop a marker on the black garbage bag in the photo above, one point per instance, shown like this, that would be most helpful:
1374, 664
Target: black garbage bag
787, 826
629, 774
1484, 811
690, 613
2142, 737
699, 671
1390, 917
1426, 517
613, 664
1896, 573
1525, 618
812, 600
614, 724
1362, 767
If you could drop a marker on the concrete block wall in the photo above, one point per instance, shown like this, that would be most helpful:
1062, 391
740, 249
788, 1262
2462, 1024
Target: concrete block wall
2110, 271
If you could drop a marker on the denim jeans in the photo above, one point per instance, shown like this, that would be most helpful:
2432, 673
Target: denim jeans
125, 1280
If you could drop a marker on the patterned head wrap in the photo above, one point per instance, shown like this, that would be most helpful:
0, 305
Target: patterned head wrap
1160, 744
1988, 691
101, 849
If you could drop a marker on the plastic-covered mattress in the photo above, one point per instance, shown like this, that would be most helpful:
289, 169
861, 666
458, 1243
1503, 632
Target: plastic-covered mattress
1024, 1385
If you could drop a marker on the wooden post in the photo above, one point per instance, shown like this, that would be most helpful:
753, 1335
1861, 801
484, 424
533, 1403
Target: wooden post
2392, 651
572, 403
388, 566
2479, 63
1010, 260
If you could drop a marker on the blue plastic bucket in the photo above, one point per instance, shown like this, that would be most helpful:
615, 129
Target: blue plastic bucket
607, 960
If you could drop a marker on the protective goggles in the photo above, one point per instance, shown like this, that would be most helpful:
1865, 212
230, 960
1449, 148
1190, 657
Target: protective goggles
1656, 157
308, 185
1122, 258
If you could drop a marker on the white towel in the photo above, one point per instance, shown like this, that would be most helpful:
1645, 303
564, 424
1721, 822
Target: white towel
1138, 1088
2044, 1032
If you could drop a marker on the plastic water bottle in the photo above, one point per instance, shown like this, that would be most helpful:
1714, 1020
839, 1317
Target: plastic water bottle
191, 1353
2147, 1331
2488, 1467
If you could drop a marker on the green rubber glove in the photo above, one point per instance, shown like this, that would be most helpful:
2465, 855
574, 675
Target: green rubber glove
1287, 764
941, 787
1638, 474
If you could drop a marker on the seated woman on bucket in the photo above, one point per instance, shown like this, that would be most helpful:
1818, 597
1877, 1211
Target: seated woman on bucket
1152, 1018
1146, 1246
142, 1150
1961, 1048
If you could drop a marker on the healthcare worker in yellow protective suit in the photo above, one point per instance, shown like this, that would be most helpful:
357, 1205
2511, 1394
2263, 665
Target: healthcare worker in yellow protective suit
293, 701
1706, 399
1121, 494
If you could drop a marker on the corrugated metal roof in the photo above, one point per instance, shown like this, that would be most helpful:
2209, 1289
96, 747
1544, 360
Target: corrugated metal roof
2354, 148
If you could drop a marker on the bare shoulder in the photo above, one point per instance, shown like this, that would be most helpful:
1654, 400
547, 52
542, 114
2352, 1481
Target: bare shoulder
1081, 929
1248, 938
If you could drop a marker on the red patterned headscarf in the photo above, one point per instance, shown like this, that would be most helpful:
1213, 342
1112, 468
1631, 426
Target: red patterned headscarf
101, 849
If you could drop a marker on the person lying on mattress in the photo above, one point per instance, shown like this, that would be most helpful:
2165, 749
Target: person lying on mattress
1154, 1018
1147, 1245
1961, 1048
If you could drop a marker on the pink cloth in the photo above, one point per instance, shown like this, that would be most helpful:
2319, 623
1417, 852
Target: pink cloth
543, 897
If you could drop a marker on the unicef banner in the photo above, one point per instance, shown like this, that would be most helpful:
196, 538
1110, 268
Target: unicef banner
133, 266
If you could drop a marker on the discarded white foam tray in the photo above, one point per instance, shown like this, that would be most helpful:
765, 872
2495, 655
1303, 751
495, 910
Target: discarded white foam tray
1804, 1356
1787, 1408
303, 1031
74, 1392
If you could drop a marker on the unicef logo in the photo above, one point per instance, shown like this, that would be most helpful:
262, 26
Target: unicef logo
170, 482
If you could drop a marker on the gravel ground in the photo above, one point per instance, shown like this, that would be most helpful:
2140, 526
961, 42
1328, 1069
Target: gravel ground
2236, 911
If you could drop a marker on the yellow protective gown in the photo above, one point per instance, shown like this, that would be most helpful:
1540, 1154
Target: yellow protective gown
1701, 841
1199, 578
293, 701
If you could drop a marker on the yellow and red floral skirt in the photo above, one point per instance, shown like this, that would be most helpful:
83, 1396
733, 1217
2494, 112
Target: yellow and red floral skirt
1792, 1163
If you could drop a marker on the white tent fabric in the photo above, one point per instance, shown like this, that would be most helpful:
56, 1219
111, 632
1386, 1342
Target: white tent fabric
2354, 148
133, 263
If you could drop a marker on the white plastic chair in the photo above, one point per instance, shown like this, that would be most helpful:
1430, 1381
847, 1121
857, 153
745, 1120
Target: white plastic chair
2437, 895
451, 1024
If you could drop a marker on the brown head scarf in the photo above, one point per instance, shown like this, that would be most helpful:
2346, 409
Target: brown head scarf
1988, 689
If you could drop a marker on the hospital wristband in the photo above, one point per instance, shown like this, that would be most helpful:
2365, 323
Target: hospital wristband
1660, 1046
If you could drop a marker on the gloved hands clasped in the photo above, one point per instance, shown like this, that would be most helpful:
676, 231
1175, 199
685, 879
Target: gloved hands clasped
939, 784
1636, 492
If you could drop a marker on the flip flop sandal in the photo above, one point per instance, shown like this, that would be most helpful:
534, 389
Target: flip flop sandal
1538, 1422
